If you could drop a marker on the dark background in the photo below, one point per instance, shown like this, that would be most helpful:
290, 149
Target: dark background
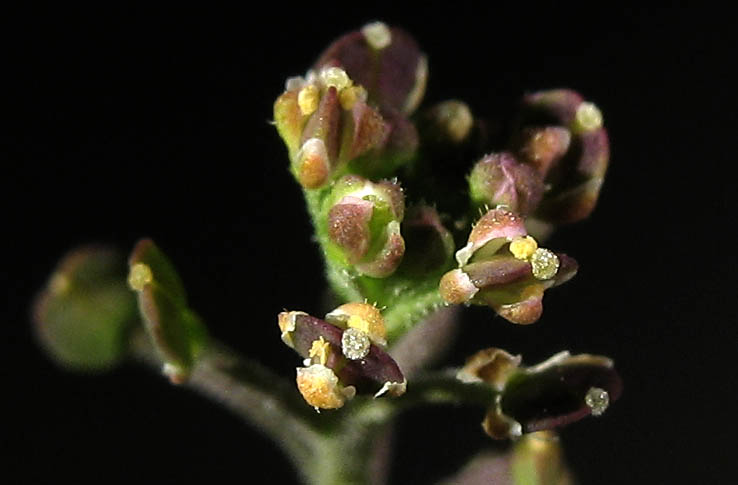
154, 122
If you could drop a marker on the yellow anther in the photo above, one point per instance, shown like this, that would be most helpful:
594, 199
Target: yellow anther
308, 99
336, 77
588, 118
140, 276
523, 247
349, 96
320, 350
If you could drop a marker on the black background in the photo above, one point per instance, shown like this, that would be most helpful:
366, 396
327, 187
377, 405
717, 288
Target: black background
154, 122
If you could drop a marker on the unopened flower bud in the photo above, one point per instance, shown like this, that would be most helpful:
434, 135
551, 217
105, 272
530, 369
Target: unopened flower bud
82, 316
574, 178
386, 61
364, 224
499, 179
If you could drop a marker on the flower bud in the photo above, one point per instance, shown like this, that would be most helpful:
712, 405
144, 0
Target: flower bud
573, 170
386, 61
499, 179
348, 351
364, 224
504, 268
82, 316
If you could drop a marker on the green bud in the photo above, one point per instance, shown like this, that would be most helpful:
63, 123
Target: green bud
83, 314
175, 330
363, 221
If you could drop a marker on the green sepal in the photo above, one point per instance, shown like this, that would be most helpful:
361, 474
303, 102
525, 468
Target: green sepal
176, 331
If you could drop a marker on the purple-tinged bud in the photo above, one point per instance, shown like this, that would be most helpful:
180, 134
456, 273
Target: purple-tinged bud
364, 224
499, 179
559, 104
348, 351
573, 179
386, 61
554, 393
506, 270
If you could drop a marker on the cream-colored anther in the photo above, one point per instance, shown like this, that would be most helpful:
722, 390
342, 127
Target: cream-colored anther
377, 35
587, 118
336, 77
